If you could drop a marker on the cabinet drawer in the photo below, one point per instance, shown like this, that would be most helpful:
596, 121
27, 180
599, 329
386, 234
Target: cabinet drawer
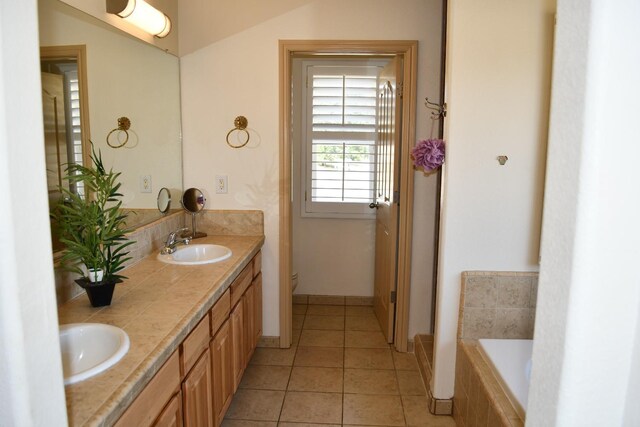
193, 346
257, 263
148, 405
241, 284
220, 311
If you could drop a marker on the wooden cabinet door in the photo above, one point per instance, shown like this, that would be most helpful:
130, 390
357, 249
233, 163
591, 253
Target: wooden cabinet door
222, 372
196, 394
248, 301
237, 344
257, 296
171, 415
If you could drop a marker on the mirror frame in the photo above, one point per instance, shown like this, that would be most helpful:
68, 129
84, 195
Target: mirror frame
79, 52
164, 190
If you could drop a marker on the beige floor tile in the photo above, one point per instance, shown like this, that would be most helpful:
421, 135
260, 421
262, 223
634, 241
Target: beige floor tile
358, 310
312, 338
373, 410
361, 323
365, 339
245, 423
295, 336
411, 384
368, 358
331, 323
266, 377
273, 356
326, 310
257, 405
299, 309
370, 381
416, 412
304, 407
405, 361
297, 320
306, 425
308, 378
327, 357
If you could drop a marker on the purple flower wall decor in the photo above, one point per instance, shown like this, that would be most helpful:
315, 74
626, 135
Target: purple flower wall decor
428, 154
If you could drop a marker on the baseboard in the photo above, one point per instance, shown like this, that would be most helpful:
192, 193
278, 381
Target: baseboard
331, 300
269, 342
423, 349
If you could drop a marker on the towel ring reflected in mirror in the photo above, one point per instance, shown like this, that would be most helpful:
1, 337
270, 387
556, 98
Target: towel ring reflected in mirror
123, 126
240, 125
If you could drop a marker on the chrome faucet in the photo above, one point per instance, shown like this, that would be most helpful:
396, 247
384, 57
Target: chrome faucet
173, 240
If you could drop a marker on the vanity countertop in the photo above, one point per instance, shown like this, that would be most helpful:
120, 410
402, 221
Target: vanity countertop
158, 305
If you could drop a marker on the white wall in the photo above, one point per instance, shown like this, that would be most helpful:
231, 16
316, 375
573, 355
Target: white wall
497, 91
30, 367
332, 256
127, 77
585, 357
239, 75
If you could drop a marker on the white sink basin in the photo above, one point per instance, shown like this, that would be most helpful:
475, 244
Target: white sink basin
197, 254
90, 348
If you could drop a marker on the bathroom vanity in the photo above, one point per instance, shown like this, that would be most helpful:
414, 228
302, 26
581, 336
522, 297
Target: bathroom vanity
193, 330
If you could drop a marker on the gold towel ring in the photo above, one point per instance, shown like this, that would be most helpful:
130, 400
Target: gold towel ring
123, 125
240, 124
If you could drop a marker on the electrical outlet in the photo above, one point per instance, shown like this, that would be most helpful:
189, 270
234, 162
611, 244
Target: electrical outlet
221, 184
145, 184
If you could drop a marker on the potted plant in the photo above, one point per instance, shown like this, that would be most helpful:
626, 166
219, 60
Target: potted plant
92, 228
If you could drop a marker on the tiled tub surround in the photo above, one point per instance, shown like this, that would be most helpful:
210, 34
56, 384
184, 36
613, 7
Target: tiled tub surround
148, 239
479, 400
158, 305
497, 305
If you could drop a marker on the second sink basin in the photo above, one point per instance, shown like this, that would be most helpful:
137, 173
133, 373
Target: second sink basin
197, 254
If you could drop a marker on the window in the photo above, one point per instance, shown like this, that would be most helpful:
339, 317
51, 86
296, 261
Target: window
340, 140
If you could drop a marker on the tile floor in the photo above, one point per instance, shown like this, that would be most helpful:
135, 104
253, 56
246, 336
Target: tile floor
339, 371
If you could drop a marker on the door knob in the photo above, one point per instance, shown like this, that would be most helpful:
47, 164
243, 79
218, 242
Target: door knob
373, 205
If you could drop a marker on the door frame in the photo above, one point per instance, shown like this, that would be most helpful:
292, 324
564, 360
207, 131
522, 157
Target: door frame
408, 49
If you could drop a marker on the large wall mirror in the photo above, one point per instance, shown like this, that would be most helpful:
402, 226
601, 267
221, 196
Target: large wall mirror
92, 75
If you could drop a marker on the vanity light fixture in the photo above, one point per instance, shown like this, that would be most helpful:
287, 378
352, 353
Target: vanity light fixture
142, 15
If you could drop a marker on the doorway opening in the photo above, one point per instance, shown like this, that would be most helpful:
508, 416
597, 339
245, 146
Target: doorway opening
406, 53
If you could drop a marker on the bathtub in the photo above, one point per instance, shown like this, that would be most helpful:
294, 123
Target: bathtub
511, 359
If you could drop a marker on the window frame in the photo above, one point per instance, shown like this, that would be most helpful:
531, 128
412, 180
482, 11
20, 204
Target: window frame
344, 210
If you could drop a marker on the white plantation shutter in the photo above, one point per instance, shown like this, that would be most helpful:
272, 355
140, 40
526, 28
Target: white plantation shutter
76, 129
341, 134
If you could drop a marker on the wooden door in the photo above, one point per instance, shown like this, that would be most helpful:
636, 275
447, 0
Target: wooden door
386, 204
196, 394
237, 344
55, 143
171, 415
222, 372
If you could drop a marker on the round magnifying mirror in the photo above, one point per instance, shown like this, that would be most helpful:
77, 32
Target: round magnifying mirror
193, 200
164, 200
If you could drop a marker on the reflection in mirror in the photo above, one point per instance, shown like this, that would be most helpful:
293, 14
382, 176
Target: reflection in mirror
164, 200
65, 112
124, 77
193, 201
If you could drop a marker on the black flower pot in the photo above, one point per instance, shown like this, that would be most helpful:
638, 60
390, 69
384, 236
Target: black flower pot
99, 293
